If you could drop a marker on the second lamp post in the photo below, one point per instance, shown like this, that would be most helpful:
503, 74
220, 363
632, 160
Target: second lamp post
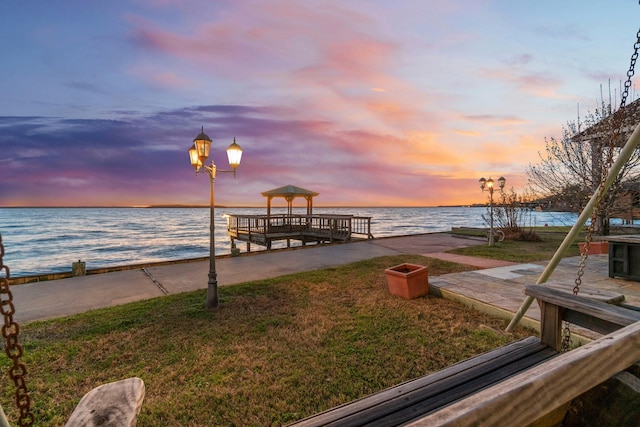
198, 154
488, 185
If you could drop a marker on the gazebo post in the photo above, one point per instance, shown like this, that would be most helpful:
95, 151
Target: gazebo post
269, 206
289, 193
289, 200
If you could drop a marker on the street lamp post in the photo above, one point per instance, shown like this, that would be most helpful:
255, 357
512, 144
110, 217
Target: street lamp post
487, 184
198, 155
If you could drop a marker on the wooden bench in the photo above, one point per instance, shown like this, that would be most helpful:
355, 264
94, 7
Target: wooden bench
406, 401
429, 398
541, 395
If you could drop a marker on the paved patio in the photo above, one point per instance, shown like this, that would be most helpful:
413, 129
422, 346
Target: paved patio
500, 289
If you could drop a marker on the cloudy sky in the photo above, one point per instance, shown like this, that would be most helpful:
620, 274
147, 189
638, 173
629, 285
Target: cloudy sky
369, 103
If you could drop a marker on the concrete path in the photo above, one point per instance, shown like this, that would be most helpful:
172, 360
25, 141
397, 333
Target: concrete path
469, 260
56, 298
496, 286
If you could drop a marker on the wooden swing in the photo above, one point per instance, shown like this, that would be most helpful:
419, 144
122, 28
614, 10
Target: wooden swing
518, 384
528, 382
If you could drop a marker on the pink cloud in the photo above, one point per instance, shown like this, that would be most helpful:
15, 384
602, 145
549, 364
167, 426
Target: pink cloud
277, 35
164, 79
328, 56
540, 84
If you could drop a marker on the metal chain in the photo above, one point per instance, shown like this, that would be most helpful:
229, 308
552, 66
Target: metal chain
10, 331
630, 72
617, 130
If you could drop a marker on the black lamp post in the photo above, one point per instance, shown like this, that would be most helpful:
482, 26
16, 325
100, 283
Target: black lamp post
487, 184
198, 154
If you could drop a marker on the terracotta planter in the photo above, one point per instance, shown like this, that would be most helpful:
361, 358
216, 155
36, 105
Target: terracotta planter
408, 280
595, 248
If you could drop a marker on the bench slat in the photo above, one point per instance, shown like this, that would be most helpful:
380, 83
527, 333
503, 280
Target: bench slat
465, 385
436, 389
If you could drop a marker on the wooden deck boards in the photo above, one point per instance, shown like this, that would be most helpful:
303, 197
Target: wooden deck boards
265, 229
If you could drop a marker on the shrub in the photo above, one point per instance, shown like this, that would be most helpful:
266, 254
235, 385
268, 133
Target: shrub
510, 214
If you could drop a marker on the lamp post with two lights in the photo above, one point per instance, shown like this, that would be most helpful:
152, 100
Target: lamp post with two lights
488, 184
198, 155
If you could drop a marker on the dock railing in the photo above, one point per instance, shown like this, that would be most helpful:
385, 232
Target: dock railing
263, 229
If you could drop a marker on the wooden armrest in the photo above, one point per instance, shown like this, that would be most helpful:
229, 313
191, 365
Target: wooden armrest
600, 310
556, 306
114, 404
591, 292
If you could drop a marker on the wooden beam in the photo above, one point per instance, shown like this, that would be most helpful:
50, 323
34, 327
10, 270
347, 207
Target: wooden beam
551, 325
526, 397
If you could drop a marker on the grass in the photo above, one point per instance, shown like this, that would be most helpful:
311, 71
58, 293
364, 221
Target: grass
275, 351
522, 252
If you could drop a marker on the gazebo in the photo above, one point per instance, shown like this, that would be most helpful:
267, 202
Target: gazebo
265, 229
289, 193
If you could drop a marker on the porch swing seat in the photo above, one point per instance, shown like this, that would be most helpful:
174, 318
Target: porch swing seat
485, 389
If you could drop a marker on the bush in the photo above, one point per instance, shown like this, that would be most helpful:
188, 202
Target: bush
509, 215
521, 235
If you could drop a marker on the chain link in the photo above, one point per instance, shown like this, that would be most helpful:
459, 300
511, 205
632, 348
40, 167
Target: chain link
631, 71
10, 330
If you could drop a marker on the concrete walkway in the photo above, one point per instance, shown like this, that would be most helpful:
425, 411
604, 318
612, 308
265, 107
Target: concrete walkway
56, 298
495, 287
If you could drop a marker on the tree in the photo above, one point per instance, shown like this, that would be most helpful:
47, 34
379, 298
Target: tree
571, 169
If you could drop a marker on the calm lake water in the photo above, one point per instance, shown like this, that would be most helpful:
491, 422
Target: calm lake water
49, 240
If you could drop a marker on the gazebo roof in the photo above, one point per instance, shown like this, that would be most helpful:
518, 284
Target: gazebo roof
289, 191
604, 128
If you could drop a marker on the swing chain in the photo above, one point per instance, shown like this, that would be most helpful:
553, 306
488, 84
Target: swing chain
13, 349
634, 57
616, 131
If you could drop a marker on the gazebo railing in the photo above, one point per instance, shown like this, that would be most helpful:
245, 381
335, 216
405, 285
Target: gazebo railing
361, 225
262, 228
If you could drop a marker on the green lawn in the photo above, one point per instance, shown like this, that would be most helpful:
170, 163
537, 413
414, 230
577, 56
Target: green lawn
520, 251
275, 351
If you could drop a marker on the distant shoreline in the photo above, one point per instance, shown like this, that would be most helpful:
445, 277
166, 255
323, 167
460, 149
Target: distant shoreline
476, 205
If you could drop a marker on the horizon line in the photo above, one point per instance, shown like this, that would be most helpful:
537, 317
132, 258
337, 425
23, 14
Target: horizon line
198, 206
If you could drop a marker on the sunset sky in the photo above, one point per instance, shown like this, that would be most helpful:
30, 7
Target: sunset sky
369, 103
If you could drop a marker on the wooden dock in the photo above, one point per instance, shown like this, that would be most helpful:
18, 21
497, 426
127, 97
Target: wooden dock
265, 229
